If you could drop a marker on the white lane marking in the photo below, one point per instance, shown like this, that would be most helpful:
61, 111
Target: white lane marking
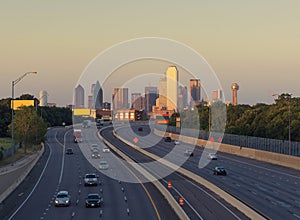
297, 216
36, 184
63, 156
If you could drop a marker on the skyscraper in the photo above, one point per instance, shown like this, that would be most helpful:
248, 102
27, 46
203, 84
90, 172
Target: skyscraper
195, 91
172, 87
151, 95
234, 87
163, 93
79, 97
98, 96
182, 97
217, 95
120, 98
137, 101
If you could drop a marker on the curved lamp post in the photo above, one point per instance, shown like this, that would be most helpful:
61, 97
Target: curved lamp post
12, 110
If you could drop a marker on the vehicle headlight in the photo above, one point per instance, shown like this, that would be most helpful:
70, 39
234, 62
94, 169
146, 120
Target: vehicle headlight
56, 201
67, 201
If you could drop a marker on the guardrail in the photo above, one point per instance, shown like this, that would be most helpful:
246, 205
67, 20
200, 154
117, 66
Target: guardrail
270, 157
265, 144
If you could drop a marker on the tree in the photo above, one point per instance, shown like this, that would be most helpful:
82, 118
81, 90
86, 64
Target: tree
29, 128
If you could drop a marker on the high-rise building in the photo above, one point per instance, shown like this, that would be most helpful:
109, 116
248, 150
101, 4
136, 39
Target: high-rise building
234, 87
217, 95
98, 96
79, 97
172, 87
195, 91
43, 98
162, 89
182, 97
120, 98
90, 102
151, 95
137, 101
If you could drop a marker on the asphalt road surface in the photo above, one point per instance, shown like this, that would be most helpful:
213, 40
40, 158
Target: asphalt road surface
271, 189
56, 171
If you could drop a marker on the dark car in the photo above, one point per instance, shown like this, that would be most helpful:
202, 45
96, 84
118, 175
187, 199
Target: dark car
140, 129
93, 200
168, 139
219, 171
69, 151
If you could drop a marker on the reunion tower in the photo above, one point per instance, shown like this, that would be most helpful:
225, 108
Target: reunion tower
234, 88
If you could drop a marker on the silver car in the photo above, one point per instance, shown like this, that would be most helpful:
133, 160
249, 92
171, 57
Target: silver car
63, 198
103, 165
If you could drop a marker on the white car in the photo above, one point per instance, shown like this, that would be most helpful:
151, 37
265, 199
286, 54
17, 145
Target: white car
212, 156
105, 150
103, 165
176, 142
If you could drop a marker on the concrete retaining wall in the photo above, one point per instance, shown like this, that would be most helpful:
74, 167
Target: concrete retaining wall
275, 158
11, 177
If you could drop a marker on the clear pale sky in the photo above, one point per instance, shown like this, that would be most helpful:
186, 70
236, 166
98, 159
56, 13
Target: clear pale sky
254, 43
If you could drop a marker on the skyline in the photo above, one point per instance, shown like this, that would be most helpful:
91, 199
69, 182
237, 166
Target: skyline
255, 44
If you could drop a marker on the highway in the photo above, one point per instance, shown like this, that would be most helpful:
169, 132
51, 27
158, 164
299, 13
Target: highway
200, 203
272, 190
56, 171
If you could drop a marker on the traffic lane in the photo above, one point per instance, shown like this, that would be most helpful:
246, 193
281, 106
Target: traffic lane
115, 206
277, 208
40, 198
189, 190
247, 187
76, 166
164, 210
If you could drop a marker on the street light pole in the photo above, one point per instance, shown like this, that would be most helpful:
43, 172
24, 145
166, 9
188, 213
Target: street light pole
12, 112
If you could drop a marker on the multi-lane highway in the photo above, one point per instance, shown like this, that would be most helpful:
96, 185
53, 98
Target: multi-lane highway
200, 203
272, 190
56, 171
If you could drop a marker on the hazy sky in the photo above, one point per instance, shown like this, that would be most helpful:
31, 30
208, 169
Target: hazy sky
254, 43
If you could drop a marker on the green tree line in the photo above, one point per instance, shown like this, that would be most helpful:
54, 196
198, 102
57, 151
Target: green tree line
51, 116
260, 120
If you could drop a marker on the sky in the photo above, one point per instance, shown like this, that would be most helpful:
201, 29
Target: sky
254, 43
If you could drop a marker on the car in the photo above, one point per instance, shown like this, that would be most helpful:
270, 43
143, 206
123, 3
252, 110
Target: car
94, 146
105, 150
219, 171
95, 154
62, 198
168, 139
103, 165
212, 156
90, 179
176, 142
140, 129
69, 151
189, 153
93, 200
